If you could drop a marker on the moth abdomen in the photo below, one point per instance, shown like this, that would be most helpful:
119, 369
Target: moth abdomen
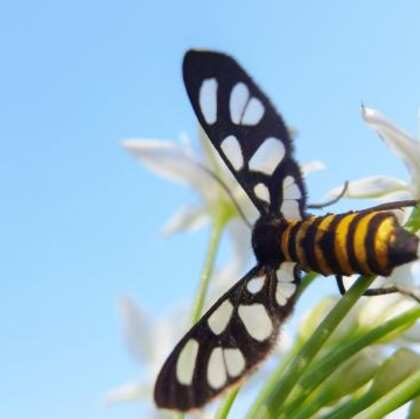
364, 242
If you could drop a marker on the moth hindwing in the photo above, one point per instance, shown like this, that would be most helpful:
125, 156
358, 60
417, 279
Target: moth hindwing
246, 130
237, 332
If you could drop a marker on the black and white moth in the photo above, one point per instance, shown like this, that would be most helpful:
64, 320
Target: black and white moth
242, 326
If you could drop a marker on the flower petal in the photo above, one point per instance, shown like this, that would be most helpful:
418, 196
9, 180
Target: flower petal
378, 310
400, 142
170, 161
406, 275
312, 166
136, 330
370, 187
127, 392
186, 219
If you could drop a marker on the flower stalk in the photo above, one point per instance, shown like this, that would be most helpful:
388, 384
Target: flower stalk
219, 222
226, 404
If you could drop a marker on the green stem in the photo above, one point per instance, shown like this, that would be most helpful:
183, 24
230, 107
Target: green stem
401, 394
286, 383
224, 408
328, 364
219, 221
272, 381
351, 407
413, 223
309, 409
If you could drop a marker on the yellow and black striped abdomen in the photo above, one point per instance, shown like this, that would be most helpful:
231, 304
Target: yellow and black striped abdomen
366, 242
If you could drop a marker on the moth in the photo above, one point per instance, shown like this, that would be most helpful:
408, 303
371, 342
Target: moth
241, 328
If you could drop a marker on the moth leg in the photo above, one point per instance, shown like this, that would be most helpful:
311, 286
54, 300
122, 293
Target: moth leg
340, 284
391, 290
393, 205
374, 292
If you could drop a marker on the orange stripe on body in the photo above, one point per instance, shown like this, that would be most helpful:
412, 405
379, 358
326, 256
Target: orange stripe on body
340, 243
322, 229
382, 239
300, 250
285, 237
359, 242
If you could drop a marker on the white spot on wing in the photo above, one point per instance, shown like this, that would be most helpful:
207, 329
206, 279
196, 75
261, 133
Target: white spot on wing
208, 100
256, 321
235, 361
237, 102
262, 192
286, 272
253, 112
285, 288
272, 147
186, 362
291, 189
291, 195
233, 152
284, 291
221, 317
255, 284
290, 210
216, 372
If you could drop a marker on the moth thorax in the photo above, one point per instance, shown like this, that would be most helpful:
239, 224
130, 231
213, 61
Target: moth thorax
266, 236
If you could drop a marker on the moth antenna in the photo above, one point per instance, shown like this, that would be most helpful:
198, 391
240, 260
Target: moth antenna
227, 190
333, 200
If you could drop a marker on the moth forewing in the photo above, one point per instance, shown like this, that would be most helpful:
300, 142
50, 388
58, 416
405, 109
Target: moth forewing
246, 130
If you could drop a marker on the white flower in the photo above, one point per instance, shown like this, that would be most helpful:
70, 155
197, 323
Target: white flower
405, 147
390, 189
179, 163
374, 311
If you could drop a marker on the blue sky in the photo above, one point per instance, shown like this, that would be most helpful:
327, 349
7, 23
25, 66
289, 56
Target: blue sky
79, 217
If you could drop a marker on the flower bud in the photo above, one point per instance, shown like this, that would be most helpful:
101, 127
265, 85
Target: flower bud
352, 374
395, 369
